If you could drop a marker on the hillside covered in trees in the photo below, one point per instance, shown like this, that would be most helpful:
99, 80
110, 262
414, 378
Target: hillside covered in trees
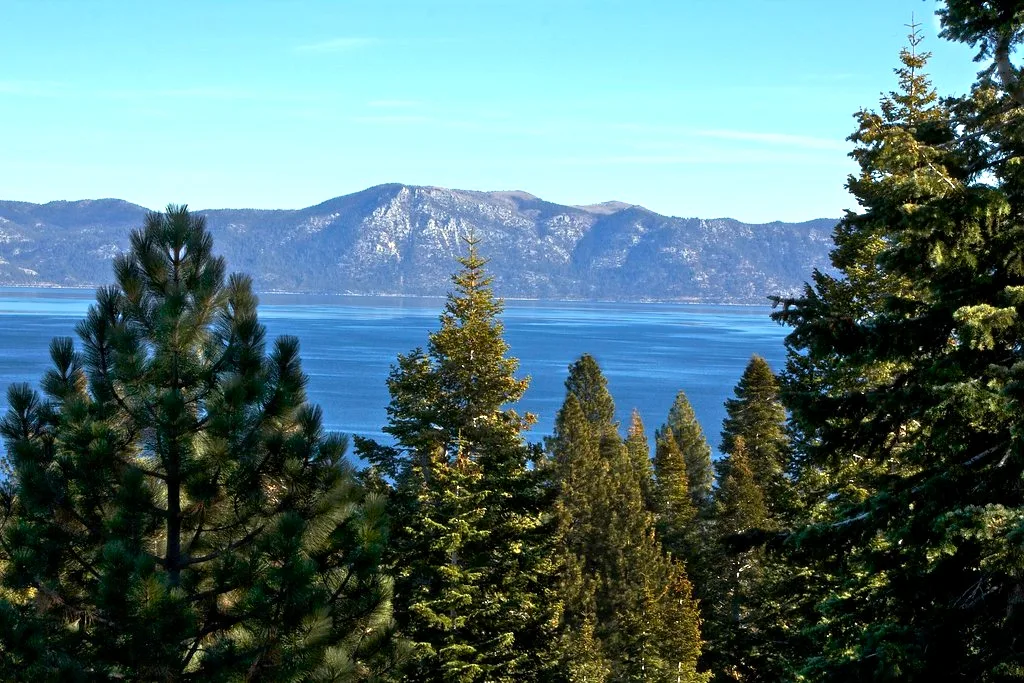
174, 510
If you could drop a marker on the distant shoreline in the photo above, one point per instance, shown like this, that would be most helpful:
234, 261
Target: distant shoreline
439, 297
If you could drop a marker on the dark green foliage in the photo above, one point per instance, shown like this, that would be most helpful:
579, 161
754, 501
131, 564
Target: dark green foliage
741, 503
733, 606
676, 511
904, 381
754, 496
682, 497
583, 507
176, 510
639, 452
689, 437
757, 416
647, 625
470, 548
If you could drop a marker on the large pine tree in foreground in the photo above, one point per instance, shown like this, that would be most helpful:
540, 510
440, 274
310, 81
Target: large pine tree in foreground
470, 549
904, 380
176, 511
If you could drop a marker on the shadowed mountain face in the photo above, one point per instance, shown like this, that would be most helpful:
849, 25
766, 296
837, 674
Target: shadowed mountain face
396, 239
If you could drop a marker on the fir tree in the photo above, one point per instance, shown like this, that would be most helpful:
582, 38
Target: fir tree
735, 639
583, 508
740, 500
470, 548
589, 386
676, 511
904, 385
639, 452
689, 437
176, 510
451, 505
757, 416
646, 618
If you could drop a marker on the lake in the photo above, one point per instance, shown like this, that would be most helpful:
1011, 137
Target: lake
648, 351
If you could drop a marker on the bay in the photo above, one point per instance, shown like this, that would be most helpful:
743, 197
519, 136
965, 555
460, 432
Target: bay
649, 351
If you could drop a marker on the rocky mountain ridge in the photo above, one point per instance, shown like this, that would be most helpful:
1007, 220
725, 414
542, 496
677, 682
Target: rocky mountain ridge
399, 239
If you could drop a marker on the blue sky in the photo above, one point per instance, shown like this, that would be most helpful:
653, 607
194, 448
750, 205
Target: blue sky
689, 107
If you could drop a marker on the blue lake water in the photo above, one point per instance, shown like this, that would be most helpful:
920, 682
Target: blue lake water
648, 351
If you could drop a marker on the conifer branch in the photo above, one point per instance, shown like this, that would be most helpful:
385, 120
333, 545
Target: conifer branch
1008, 73
186, 561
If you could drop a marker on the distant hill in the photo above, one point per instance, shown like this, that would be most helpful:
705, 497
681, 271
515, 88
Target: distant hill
398, 239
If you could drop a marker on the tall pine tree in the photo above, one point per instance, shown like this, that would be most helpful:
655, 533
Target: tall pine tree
646, 619
673, 502
689, 437
904, 382
639, 452
176, 511
733, 606
756, 415
469, 545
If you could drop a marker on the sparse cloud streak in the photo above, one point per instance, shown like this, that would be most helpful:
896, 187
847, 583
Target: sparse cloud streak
33, 88
345, 44
394, 104
781, 139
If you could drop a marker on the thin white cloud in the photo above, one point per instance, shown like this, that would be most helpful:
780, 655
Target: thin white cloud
393, 119
703, 158
779, 139
337, 45
394, 104
211, 92
33, 88
758, 138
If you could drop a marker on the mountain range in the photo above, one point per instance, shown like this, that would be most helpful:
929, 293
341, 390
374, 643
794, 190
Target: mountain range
400, 239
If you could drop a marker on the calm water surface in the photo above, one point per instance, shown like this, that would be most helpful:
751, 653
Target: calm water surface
647, 351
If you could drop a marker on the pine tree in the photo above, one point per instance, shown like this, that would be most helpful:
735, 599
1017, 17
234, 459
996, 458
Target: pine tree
583, 507
639, 452
689, 436
757, 415
646, 618
740, 500
734, 640
451, 506
677, 514
589, 386
469, 542
176, 510
684, 508
904, 381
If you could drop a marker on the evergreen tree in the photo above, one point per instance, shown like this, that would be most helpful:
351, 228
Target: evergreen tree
735, 642
646, 619
684, 508
469, 544
689, 437
639, 452
580, 653
582, 507
176, 511
739, 499
451, 506
589, 386
904, 381
757, 415
676, 511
